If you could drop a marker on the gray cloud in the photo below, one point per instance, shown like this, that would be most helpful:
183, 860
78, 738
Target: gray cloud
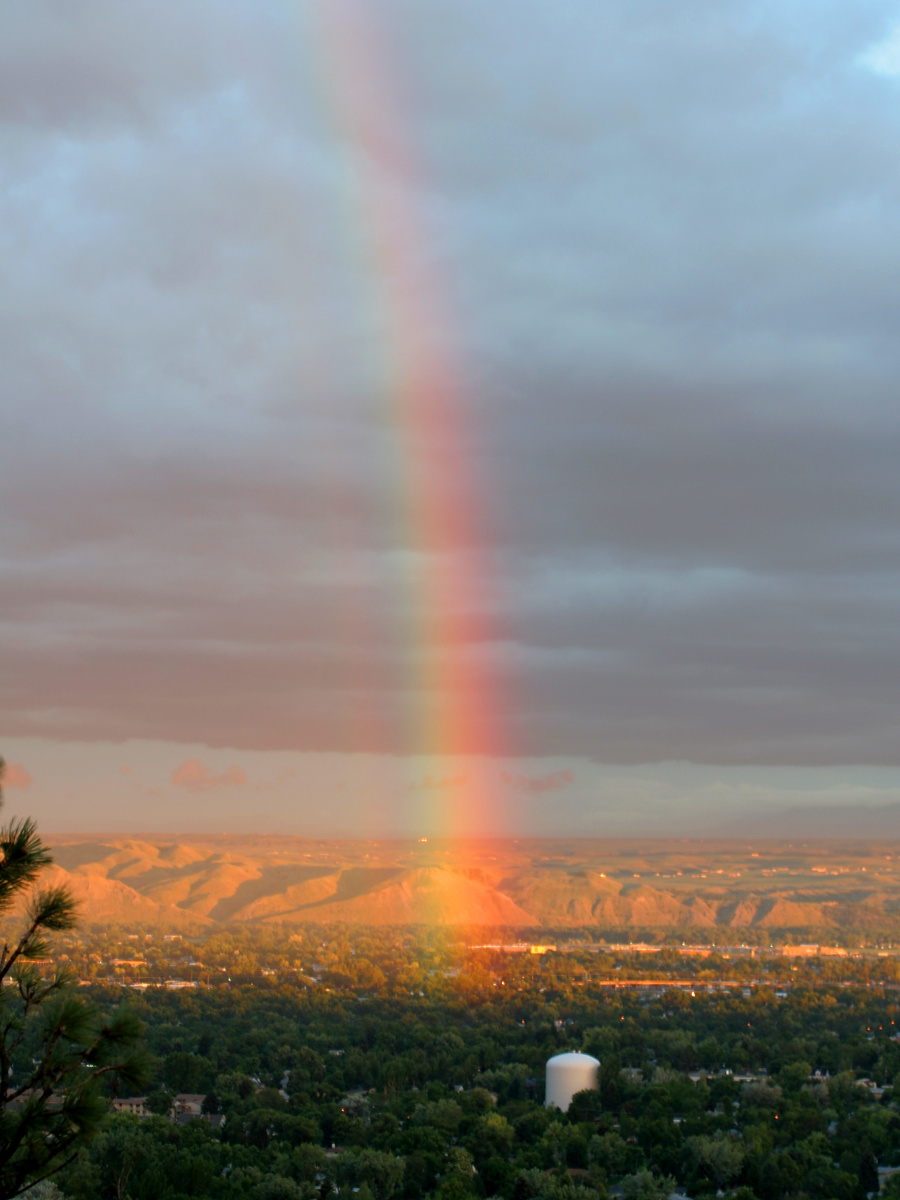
658, 247
537, 785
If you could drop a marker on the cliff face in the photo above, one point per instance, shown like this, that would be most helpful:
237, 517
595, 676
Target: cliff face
198, 882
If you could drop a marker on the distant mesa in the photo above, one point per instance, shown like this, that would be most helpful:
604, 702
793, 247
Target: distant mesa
647, 888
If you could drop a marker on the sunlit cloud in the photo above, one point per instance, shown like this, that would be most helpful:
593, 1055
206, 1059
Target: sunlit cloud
197, 777
16, 776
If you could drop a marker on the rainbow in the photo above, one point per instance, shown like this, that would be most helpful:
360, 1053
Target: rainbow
454, 702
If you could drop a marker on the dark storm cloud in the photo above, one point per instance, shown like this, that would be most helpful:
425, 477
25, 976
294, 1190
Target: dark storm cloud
667, 237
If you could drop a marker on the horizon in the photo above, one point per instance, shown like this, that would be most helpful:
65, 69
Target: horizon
731, 841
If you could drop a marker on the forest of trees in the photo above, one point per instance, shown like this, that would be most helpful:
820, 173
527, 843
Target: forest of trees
409, 1070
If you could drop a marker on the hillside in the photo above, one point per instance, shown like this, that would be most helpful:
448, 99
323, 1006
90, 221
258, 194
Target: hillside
814, 887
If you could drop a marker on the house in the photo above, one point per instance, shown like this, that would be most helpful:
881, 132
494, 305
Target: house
187, 1106
136, 1105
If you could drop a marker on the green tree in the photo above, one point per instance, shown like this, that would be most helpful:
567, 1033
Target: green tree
644, 1185
53, 1107
718, 1159
159, 1101
537, 1185
382, 1172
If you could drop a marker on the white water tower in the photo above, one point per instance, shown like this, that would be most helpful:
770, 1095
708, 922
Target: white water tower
568, 1074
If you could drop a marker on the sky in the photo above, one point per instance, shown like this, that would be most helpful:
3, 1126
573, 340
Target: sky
449, 417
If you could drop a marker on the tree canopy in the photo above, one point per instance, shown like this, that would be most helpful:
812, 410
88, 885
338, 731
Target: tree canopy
55, 1105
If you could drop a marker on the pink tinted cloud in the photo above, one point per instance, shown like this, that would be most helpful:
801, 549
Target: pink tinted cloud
538, 784
16, 776
198, 777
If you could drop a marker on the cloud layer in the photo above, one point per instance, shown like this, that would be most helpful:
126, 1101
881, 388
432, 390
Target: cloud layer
657, 248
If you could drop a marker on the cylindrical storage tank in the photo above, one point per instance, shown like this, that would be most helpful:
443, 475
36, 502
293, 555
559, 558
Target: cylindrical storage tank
568, 1074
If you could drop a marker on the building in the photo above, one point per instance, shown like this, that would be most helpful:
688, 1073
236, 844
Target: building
187, 1106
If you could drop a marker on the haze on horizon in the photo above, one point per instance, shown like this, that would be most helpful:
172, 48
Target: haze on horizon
419, 408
